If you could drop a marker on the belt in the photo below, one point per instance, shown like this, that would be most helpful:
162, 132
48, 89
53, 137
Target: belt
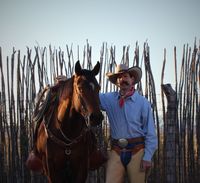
134, 150
124, 142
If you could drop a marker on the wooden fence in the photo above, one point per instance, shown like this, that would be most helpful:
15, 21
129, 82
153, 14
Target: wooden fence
22, 77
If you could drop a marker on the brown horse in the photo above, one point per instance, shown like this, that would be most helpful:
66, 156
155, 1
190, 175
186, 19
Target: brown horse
64, 138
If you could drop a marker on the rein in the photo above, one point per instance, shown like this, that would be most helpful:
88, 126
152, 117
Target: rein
71, 142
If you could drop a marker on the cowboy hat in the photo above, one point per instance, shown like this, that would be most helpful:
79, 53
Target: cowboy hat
134, 71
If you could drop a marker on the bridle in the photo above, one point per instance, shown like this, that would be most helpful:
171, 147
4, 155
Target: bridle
64, 107
83, 109
67, 143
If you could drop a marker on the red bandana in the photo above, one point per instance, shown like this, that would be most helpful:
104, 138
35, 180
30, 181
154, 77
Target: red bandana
123, 97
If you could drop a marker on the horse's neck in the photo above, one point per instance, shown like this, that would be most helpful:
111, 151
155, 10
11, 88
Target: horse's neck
66, 91
65, 95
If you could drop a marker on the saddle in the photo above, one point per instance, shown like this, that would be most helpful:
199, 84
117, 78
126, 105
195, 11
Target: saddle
44, 98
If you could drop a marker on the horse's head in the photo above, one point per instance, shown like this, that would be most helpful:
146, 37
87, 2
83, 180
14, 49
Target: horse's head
86, 93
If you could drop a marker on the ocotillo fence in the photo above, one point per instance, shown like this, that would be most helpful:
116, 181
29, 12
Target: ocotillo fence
22, 77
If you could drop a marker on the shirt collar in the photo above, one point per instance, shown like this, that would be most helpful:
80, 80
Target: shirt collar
133, 97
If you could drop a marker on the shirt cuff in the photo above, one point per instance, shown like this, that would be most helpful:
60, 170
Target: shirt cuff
147, 157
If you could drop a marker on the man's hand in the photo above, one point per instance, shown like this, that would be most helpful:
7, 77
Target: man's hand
145, 165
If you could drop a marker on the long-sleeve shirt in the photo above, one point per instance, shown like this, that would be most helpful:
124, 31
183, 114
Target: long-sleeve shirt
134, 119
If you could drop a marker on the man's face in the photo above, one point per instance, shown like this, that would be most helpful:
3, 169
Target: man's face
125, 81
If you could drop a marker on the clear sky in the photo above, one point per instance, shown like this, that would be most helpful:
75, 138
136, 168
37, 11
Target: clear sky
164, 23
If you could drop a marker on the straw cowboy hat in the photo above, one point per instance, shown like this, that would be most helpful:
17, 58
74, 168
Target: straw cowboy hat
134, 71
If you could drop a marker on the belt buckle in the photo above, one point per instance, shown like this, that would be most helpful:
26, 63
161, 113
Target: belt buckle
122, 143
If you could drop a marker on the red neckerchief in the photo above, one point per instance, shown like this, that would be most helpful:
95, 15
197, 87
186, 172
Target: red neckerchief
123, 97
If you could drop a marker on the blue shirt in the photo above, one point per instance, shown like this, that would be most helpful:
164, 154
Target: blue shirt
134, 119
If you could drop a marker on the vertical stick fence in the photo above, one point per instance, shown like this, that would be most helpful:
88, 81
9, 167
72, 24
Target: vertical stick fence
23, 77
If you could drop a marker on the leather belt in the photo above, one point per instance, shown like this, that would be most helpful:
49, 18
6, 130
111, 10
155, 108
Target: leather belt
124, 142
134, 150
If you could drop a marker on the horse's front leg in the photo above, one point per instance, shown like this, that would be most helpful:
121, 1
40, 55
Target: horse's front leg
56, 164
56, 175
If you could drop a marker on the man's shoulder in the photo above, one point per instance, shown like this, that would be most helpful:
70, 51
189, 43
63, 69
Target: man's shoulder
141, 97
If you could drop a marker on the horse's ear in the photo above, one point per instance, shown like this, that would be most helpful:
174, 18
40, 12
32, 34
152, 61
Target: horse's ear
78, 68
96, 69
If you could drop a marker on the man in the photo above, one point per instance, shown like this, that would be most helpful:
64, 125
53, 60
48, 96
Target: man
133, 135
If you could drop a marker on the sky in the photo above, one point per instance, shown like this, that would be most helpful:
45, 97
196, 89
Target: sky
163, 23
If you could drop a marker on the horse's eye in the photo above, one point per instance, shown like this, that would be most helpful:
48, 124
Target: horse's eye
92, 86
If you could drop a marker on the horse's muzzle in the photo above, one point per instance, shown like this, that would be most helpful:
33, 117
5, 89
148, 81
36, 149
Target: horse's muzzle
96, 118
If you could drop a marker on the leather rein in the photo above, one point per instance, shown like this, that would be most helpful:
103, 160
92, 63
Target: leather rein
70, 142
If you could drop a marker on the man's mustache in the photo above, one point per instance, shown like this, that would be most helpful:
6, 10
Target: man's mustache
124, 82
